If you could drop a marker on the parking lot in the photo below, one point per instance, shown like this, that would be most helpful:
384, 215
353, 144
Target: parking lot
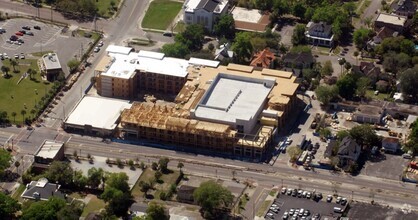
306, 207
48, 38
388, 166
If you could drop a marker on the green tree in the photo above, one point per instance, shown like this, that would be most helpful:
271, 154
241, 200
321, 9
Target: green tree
264, 5
69, 212
394, 62
347, 86
14, 116
225, 27
117, 194
163, 164
299, 10
327, 69
14, 63
362, 85
293, 152
79, 180
192, 37
409, 84
157, 175
211, 197
5, 70
325, 132
342, 134
154, 165
23, 113
60, 172
73, 64
361, 36
365, 135
176, 49
8, 206
298, 36
242, 47
145, 187
412, 143
180, 165
156, 211
326, 93
43, 210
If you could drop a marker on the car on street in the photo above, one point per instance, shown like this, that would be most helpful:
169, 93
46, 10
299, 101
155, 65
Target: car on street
100, 44
19, 33
36, 27
167, 34
96, 49
26, 27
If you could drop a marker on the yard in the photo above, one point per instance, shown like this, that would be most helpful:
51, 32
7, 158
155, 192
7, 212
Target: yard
106, 8
22, 96
160, 14
164, 184
94, 205
380, 96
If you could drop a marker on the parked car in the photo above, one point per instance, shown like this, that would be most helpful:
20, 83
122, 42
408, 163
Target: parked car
329, 198
36, 27
100, 44
338, 200
16, 56
13, 38
26, 27
5, 56
2, 30
19, 33
167, 34
29, 33
22, 56
21, 41
289, 191
343, 201
22, 31
96, 49
17, 43
283, 190
309, 195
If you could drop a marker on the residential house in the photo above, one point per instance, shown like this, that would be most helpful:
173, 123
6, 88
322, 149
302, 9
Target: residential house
404, 8
320, 34
204, 12
381, 34
300, 60
185, 193
369, 114
394, 22
263, 59
42, 190
391, 144
348, 152
368, 70
223, 53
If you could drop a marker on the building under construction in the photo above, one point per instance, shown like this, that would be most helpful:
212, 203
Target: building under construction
231, 109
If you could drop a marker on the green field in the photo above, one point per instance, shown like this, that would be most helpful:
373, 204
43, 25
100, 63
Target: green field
95, 205
104, 7
164, 185
160, 14
14, 97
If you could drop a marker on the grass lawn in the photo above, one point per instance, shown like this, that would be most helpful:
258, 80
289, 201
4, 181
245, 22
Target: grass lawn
180, 27
18, 192
15, 97
381, 96
243, 201
263, 208
160, 14
94, 205
165, 181
104, 7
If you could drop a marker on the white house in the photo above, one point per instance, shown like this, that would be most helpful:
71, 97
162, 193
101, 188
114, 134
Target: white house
204, 12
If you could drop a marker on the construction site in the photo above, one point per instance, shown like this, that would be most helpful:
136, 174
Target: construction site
234, 109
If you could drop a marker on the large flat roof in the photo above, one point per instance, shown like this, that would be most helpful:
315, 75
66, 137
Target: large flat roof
51, 61
234, 97
119, 49
203, 62
124, 65
98, 112
49, 149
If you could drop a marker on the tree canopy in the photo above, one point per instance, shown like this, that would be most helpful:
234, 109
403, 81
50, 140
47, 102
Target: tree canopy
5, 159
176, 49
60, 172
155, 211
242, 47
326, 93
361, 36
8, 205
298, 36
225, 27
409, 84
44, 210
211, 197
365, 135
412, 143
347, 86
192, 37
117, 194
95, 177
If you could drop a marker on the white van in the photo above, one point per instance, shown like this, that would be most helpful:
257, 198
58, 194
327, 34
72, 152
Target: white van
338, 210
